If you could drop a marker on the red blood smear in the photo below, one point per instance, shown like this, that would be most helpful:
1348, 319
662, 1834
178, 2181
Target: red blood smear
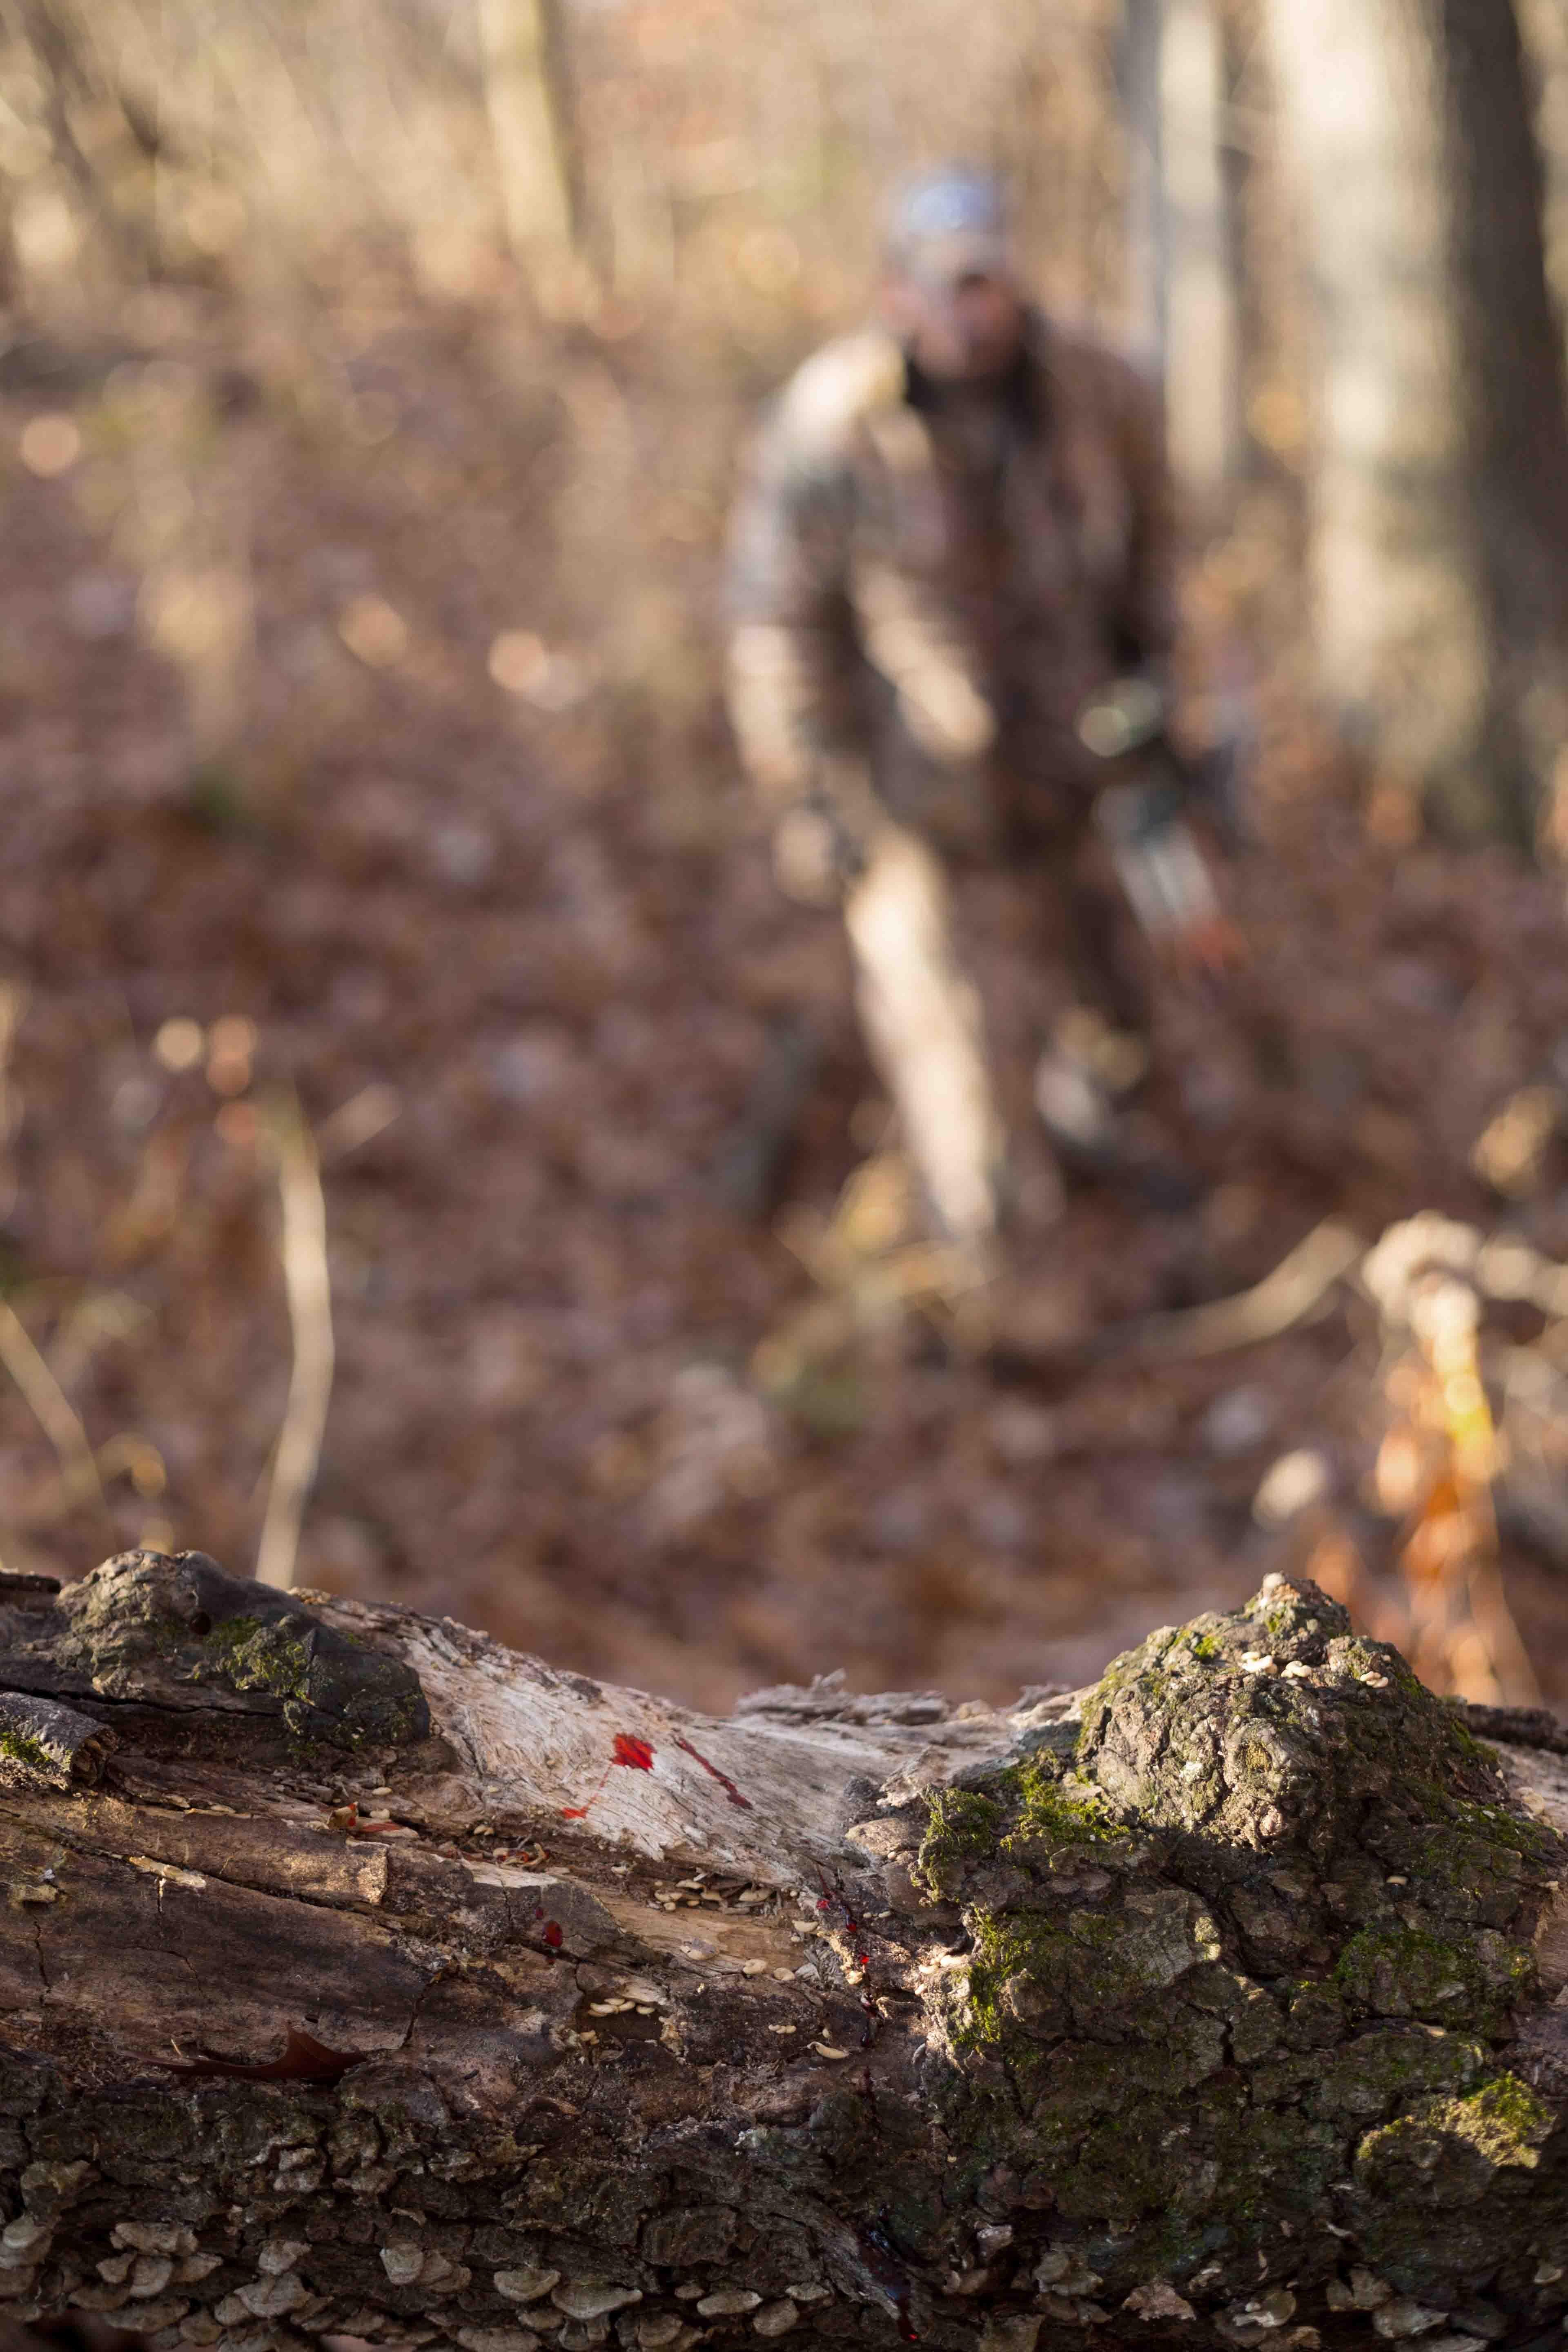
553, 1935
715, 1774
635, 1753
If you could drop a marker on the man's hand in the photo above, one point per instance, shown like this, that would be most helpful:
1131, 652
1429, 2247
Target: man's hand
1212, 952
814, 859
821, 845
1161, 863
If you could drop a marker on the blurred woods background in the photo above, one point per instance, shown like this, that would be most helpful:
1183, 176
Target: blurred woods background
395, 992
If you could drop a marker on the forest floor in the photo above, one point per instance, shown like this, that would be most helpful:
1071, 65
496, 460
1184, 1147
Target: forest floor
478, 870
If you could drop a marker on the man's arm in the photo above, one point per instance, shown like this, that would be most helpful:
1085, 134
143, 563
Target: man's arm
789, 648
788, 591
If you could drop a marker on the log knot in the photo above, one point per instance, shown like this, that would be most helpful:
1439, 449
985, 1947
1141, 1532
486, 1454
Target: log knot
44, 1745
1241, 1953
1277, 1728
146, 1625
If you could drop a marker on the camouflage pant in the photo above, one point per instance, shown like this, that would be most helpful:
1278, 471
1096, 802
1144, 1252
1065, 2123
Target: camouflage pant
922, 1018
962, 977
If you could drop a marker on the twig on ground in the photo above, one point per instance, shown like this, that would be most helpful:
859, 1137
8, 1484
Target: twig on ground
309, 1289
52, 1408
1276, 1304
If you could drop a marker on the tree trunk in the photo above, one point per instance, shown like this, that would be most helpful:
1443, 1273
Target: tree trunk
1147, 257
1442, 493
360, 1976
522, 46
1182, 296
1201, 384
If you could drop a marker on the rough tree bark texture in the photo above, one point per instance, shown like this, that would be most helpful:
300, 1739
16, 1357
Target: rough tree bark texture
1441, 497
1217, 2005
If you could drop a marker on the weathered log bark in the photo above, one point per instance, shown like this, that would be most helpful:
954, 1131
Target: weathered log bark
360, 1976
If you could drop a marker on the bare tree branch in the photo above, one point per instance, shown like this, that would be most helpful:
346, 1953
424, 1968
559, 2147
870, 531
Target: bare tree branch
309, 1286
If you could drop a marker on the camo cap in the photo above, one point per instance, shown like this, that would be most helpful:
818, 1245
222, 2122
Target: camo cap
948, 223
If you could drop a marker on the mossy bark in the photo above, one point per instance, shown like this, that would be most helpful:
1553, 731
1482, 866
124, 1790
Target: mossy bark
1214, 2005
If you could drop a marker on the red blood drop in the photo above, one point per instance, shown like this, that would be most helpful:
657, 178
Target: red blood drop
715, 1774
553, 1935
633, 1752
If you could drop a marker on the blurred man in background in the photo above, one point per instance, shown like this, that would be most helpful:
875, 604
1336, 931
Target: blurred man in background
956, 533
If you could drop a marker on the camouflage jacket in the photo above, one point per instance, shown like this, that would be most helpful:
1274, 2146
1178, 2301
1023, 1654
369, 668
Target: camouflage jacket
927, 586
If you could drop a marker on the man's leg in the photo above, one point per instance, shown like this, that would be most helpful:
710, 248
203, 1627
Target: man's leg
1099, 1046
920, 1015
1112, 968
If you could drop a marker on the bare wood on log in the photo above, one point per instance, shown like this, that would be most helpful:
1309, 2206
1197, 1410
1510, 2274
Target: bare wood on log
387, 1983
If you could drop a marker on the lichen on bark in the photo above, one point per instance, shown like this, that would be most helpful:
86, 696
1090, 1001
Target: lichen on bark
1240, 1967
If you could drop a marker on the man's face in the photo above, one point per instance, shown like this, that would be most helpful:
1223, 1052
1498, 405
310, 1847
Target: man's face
964, 329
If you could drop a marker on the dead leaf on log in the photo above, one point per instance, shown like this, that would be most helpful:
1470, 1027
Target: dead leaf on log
304, 2059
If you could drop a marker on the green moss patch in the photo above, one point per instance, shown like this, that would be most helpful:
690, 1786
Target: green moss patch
962, 1828
1442, 1978
250, 1655
1504, 2121
18, 1748
1058, 1816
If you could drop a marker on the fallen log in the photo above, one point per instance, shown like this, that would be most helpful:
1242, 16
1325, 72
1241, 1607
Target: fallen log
359, 1976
